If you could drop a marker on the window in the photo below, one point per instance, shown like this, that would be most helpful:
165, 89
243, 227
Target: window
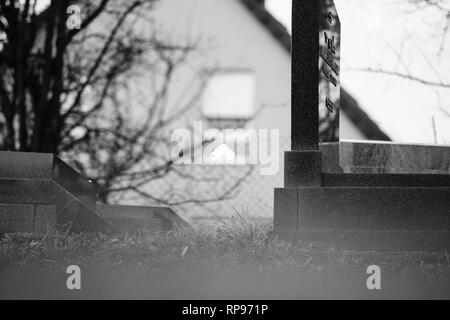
229, 98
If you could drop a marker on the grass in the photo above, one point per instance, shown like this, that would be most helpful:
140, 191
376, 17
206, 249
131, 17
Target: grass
230, 260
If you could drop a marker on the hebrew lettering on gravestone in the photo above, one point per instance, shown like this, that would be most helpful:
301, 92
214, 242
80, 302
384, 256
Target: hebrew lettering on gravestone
329, 66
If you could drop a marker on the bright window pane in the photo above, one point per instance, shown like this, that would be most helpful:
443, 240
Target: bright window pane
230, 95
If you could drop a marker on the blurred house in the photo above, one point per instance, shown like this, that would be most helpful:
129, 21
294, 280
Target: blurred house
251, 87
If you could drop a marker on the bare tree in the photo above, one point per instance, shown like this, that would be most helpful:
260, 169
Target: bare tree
69, 90
442, 23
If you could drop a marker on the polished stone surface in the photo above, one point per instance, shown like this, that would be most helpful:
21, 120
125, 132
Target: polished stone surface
32, 191
21, 165
364, 209
75, 183
302, 169
388, 208
388, 158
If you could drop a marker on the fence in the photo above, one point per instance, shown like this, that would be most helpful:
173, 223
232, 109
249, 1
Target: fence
205, 192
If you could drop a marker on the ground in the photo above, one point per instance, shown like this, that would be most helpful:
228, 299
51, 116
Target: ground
233, 259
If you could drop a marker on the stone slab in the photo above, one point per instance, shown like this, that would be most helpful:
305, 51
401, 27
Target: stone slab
330, 180
39, 166
25, 191
27, 218
16, 217
75, 183
387, 209
43, 179
302, 169
385, 158
20, 165
45, 218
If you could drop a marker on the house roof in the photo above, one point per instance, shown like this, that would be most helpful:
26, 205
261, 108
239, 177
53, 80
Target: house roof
348, 104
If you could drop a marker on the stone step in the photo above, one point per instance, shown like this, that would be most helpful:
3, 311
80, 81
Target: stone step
390, 209
385, 180
29, 218
26, 191
37, 178
31, 193
75, 183
42, 166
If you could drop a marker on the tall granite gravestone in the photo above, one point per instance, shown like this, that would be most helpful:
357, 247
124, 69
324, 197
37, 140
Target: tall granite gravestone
323, 201
315, 88
315, 71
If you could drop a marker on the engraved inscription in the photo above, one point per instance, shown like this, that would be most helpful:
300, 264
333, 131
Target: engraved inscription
329, 69
329, 76
330, 17
328, 57
330, 42
329, 104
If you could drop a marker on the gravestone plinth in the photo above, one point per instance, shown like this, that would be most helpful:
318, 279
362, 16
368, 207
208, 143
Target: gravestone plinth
347, 194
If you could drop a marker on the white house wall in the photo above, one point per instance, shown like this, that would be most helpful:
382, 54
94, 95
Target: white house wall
230, 37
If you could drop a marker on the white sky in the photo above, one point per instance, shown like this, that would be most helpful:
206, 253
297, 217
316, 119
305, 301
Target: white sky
375, 33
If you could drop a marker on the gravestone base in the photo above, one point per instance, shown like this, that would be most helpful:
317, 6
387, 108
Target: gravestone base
368, 211
302, 167
368, 218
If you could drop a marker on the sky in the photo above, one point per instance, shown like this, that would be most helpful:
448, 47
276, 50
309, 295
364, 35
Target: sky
390, 35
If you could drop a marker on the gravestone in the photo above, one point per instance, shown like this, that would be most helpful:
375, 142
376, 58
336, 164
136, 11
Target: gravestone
315, 88
315, 74
367, 196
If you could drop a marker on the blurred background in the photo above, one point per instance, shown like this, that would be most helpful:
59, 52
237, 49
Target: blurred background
104, 84
395, 62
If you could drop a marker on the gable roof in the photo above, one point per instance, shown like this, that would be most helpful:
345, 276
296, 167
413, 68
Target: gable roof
348, 104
